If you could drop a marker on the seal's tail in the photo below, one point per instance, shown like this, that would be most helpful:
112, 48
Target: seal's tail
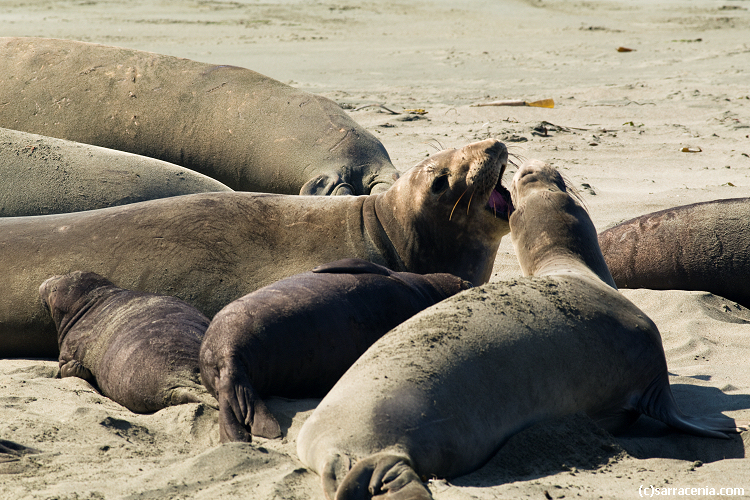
385, 476
658, 402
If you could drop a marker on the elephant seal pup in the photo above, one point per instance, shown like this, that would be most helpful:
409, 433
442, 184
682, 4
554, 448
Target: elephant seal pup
438, 395
703, 246
237, 126
447, 214
139, 349
43, 175
296, 337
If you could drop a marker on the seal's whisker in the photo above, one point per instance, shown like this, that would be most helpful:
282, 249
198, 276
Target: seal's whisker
470, 198
439, 146
454, 206
518, 158
574, 192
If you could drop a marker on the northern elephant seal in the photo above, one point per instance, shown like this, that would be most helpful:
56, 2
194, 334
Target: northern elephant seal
702, 246
139, 349
42, 175
296, 337
438, 395
446, 214
248, 131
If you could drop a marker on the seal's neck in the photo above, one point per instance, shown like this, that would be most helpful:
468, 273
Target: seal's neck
554, 235
383, 250
67, 321
418, 241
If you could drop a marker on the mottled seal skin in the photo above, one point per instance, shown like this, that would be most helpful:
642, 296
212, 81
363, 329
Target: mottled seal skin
702, 246
237, 126
42, 175
438, 395
446, 214
140, 349
296, 337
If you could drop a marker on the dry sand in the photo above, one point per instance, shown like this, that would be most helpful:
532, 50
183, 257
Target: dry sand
620, 122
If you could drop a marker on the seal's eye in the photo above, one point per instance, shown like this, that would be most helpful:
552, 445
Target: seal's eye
440, 184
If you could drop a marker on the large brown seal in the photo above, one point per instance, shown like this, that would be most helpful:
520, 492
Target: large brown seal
439, 394
139, 349
42, 175
296, 337
702, 246
447, 214
244, 129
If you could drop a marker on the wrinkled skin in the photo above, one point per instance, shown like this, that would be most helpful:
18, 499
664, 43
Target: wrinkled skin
139, 349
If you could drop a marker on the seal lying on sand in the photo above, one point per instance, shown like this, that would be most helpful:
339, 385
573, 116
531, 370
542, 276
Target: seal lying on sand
296, 337
244, 129
140, 349
41, 175
703, 246
447, 214
438, 395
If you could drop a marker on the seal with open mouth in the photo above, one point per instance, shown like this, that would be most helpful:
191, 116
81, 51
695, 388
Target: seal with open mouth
438, 395
446, 215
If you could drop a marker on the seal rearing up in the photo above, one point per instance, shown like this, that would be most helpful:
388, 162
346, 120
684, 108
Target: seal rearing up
550, 250
445, 215
438, 395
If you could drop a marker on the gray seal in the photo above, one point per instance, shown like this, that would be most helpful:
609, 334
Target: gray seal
43, 175
248, 131
139, 349
438, 395
446, 214
702, 246
296, 337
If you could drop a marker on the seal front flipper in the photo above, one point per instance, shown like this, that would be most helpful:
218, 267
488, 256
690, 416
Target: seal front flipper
326, 185
74, 368
240, 410
352, 266
386, 475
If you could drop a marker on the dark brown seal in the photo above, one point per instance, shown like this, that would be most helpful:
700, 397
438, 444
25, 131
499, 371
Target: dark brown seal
237, 126
447, 214
42, 175
702, 246
139, 349
438, 395
296, 337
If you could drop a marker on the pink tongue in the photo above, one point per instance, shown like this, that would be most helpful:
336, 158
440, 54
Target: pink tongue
497, 202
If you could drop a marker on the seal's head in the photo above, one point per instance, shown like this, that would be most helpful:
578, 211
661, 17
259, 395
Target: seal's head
448, 213
551, 230
66, 294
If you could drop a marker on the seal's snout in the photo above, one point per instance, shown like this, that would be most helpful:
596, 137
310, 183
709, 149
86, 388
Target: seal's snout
498, 200
47, 287
534, 175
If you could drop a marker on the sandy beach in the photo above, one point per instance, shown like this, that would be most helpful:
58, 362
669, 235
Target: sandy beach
661, 122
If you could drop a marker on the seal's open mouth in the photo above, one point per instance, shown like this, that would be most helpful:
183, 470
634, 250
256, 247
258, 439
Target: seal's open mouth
499, 203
